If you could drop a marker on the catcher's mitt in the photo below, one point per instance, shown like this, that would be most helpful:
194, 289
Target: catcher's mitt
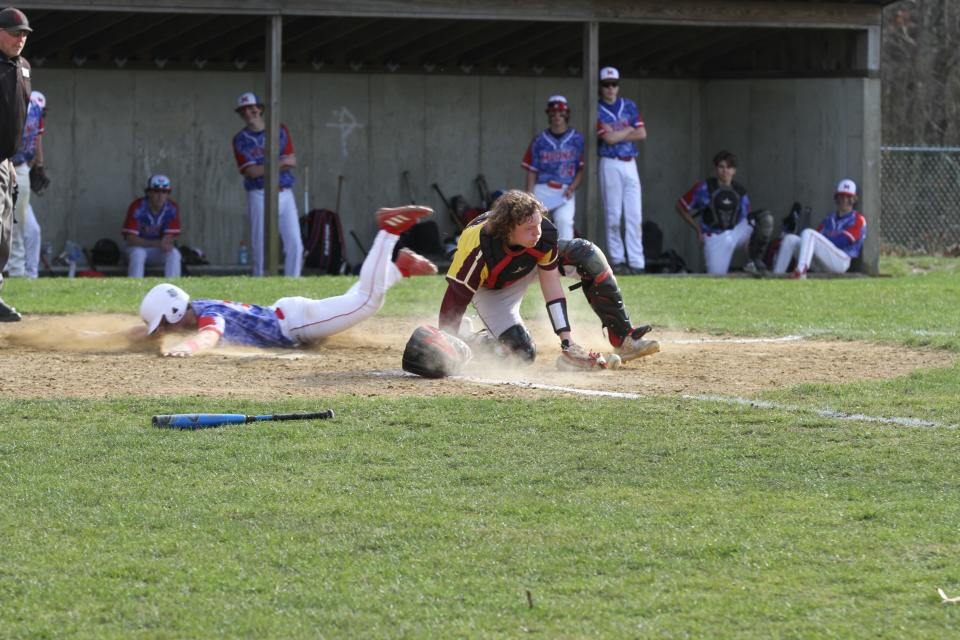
433, 353
38, 179
576, 358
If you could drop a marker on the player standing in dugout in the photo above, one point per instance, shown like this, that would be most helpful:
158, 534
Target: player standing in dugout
14, 101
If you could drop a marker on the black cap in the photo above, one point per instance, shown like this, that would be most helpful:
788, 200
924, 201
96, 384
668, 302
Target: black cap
14, 20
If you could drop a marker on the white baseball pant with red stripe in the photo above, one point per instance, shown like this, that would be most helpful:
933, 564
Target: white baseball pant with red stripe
811, 248
306, 320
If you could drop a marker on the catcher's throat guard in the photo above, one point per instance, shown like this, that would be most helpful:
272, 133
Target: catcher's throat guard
433, 353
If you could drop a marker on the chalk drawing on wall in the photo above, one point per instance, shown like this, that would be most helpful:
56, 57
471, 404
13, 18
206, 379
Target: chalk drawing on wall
347, 123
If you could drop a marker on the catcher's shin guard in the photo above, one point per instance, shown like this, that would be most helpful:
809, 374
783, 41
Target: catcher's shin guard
761, 236
519, 343
599, 284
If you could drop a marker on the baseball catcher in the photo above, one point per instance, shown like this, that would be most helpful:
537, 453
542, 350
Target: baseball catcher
726, 219
498, 256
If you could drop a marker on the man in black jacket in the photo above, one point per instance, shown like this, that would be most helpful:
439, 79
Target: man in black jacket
14, 100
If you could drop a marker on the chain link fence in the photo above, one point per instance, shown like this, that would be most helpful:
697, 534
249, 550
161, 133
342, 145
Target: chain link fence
921, 185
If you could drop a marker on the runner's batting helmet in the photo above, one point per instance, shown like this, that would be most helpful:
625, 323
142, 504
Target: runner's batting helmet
164, 301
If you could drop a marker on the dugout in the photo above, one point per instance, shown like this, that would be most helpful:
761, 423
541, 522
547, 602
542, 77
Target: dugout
444, 91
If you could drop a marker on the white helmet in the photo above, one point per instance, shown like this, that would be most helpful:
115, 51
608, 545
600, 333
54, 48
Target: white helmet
163, 301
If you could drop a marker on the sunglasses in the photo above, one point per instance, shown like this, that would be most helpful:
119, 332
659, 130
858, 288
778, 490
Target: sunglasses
607, 85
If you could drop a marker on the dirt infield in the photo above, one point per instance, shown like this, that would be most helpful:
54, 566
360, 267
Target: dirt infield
79, 356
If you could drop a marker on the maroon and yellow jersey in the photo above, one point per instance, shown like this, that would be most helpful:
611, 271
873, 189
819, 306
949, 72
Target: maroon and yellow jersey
482, 260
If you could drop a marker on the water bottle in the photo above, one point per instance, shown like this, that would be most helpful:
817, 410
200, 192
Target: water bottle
243, 256
48, 252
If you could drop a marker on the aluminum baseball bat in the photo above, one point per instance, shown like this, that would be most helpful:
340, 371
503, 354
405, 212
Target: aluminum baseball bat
206, 420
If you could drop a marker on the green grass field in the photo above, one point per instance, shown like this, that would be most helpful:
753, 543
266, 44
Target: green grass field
466, 517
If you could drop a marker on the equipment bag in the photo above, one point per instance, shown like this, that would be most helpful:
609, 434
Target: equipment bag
323, 243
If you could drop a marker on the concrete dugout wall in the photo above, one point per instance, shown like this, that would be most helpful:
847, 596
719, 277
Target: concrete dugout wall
108, 130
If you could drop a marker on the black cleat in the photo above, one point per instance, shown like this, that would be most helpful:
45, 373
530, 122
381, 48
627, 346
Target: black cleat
8, 313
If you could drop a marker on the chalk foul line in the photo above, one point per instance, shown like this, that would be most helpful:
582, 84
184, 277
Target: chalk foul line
757, 404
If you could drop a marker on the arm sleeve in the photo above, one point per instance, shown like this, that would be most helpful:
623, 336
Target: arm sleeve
453, 307
130, 224
241, 152
689, 200
527, 162
637, 120
211, 322
173, 226
287, 147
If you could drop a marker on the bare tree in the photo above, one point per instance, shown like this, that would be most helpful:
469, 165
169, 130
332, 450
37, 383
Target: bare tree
919, 68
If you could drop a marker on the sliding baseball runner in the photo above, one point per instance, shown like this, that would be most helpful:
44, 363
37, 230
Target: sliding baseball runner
289, 322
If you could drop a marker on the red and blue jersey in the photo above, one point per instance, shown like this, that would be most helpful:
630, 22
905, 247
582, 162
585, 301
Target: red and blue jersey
240, 323
142, 221
700, 199
32, 129
847, 232
555, 159
622, 114
248, 149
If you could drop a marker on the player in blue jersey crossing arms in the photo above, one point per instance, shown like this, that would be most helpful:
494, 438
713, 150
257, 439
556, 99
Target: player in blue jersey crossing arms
619, 128
833, 245
554, 164
248, 149
288, 322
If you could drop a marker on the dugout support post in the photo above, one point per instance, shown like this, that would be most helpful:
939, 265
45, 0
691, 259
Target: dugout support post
595, 223
271, 186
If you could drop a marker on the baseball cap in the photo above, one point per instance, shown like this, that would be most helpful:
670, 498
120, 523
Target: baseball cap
248, 99
38, 99
609, 73
846, 187
158, 182
13, 20
557, 102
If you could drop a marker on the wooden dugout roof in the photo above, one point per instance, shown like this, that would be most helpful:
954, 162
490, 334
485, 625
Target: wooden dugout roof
656, 38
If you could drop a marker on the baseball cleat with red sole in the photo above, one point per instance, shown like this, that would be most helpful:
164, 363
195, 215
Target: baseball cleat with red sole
399, 219
414, 264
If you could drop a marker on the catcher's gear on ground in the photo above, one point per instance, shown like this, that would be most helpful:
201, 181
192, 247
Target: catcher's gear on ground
38, 179
433, 353
575, 357
762, 221
105, 252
